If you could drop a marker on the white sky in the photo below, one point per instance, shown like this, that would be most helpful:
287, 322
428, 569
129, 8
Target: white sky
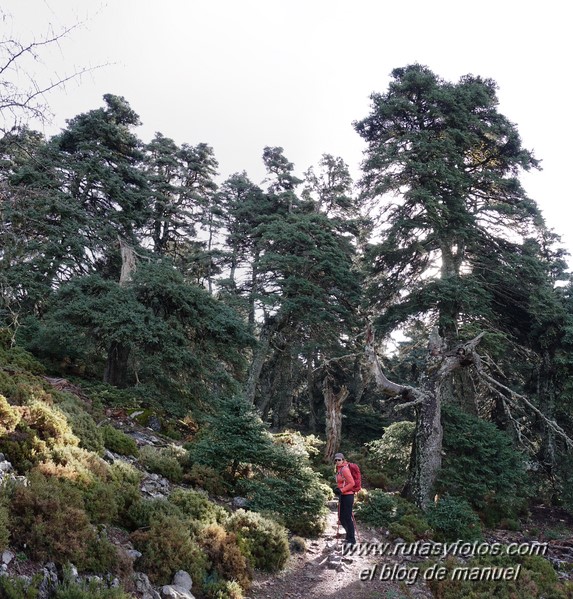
243, 74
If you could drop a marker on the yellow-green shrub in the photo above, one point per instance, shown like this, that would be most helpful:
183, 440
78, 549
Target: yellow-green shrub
263, 541
167, 546
537, 578
9, 417
82, 424
118, 442
163, 461
224, 589
197, 507
144, 512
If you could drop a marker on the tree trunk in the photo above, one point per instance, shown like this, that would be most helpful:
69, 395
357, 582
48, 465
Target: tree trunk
333, 401
426, 457
312, 419
259, 357
115, 372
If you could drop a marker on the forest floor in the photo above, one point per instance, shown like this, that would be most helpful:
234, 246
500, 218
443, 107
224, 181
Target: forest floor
322, 572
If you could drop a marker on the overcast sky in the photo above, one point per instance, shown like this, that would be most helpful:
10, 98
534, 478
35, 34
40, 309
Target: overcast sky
244, 74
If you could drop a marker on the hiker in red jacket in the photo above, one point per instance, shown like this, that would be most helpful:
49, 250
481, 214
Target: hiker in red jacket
345, 491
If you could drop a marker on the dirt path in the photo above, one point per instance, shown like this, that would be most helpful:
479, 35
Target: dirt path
323, 573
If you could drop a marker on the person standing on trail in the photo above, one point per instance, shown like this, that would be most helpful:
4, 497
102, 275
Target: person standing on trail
345, 491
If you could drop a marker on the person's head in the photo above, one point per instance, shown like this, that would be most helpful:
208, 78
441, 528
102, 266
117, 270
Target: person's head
338, 458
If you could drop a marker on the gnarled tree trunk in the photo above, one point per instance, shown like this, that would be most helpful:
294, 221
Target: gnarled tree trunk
426, 457
333, 401
115, 372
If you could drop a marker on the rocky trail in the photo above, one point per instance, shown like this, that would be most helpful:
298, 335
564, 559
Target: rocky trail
322, 572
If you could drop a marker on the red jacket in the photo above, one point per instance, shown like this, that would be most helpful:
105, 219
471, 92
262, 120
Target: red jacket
344, 480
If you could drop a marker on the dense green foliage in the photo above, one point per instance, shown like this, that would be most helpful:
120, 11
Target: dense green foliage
481, 466
281, 480
453, 518
264, 542
536, 579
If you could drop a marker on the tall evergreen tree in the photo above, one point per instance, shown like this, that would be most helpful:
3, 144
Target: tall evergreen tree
442, 167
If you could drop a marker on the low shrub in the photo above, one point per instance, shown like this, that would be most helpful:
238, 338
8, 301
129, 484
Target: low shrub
227, 561
263, 541
48, 519
50, 424
126, 480
296, 499
452, 518
206, 478
163, 461
166, 547
196, 506
118, 442
4, 523
82, 424
297, 544
224, 589
40, 428
17, 588
9, 417
377, 509
88, 590
144, 512
402, 518
537, 578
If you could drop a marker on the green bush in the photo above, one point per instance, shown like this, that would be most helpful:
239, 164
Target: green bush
234, 436
537, 578
377, 509
452, 518
118, 442
197, 507
390, 455
69, 588
166, 547
4, 523
223, 590
82, 424
126, 480
163, 461
48, 519
280, 480
263, 541
481, 466
88, 590
16, 588
144, 512
296, 498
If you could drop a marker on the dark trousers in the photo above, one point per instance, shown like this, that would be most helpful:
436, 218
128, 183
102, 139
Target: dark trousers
345, 504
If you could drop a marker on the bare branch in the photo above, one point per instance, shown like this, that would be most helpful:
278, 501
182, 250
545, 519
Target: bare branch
18, 99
